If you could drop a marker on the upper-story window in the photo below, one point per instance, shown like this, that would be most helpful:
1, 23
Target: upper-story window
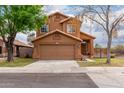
70, 28
44, 28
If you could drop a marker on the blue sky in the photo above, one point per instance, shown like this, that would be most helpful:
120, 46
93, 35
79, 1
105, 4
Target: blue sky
96, 30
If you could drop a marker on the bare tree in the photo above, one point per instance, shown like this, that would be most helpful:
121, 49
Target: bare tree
106, 18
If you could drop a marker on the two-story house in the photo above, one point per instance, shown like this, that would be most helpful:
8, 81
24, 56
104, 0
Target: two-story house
61, 38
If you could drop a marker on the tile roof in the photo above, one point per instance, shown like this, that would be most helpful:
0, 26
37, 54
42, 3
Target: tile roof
19, 43
88, 35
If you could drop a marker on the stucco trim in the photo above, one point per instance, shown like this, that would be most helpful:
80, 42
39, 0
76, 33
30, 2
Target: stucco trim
66, 19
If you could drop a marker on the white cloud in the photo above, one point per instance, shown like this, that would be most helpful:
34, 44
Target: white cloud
120, 11
22, 37
121, 33
57, 8
54, 8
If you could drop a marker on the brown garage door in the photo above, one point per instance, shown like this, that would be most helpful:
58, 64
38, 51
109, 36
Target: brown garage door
57, 52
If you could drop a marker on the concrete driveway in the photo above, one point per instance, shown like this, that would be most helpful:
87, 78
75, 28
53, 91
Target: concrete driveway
53, 65
44, 66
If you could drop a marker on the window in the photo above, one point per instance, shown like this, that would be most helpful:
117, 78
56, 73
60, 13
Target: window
44, 28
0, 49
70, 28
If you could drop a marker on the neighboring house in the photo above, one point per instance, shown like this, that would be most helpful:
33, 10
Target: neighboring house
61, 38
20, 49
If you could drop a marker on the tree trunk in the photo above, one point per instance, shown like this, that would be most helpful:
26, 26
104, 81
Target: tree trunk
108, 50
9, 47
17, 51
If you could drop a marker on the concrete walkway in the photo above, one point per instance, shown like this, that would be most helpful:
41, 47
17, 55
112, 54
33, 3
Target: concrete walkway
103, 76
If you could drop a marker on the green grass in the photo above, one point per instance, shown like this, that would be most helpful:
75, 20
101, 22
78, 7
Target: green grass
18, 62
101, 62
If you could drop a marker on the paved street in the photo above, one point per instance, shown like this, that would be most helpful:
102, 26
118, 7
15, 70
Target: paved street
110, 77
46, 80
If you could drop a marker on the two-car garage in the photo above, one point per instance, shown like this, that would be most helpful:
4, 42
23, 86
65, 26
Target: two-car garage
58, 52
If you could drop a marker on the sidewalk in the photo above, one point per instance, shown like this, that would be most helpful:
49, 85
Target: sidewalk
63, 69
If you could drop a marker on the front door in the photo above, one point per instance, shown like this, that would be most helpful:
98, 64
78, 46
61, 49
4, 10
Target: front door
84, 48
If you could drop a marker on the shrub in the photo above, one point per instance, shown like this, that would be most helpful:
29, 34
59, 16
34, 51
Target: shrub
119, 49
27, 56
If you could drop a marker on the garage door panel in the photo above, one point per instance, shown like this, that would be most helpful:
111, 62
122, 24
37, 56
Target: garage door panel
56, 52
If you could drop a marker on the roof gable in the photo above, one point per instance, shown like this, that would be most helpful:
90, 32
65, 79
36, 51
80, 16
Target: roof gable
59, 14
61, 32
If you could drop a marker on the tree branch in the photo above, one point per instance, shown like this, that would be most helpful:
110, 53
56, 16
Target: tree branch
107, 19
116, 22
102, 10
97, 22
4, 40
99, 15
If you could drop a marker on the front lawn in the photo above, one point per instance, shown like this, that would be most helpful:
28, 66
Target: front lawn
100, 62
18, 62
